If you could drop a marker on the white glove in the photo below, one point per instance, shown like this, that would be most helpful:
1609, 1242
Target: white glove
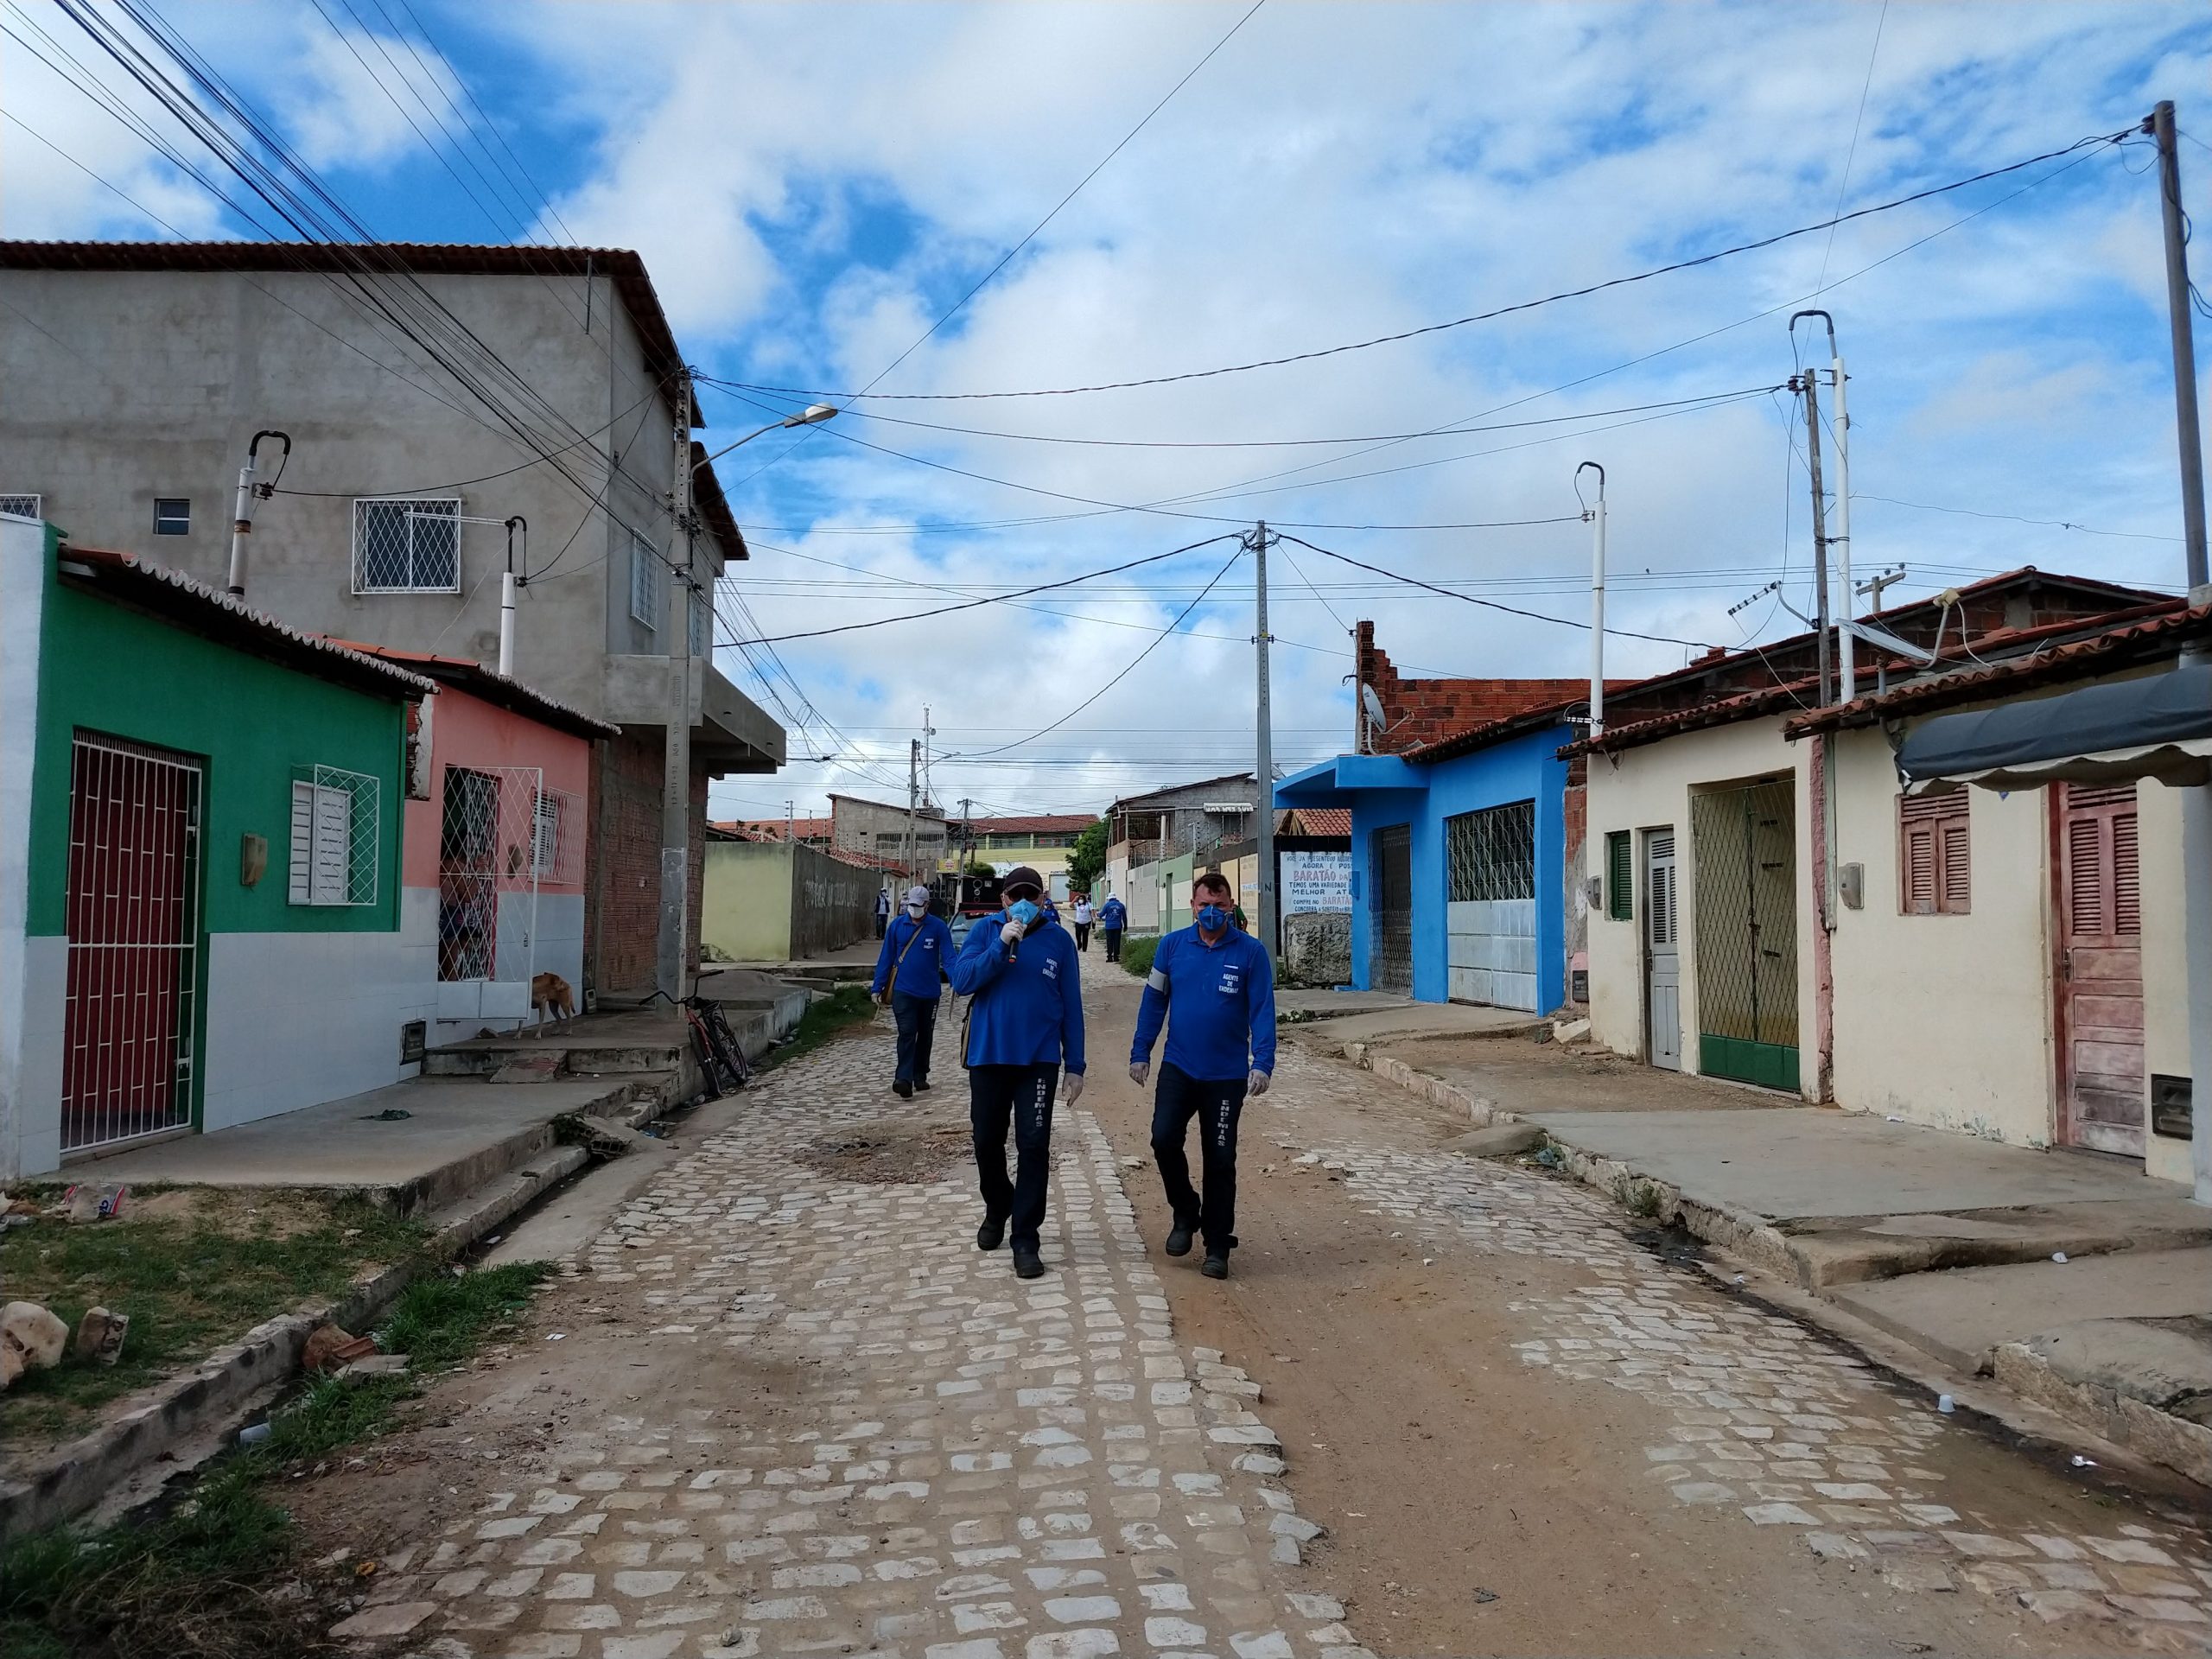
1071, 1088
1010, 935
1255, 1085
1140, 1070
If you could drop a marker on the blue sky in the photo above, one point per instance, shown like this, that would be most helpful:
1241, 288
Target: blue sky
813, 186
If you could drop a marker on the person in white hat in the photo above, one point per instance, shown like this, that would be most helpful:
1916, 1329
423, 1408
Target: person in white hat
917, 955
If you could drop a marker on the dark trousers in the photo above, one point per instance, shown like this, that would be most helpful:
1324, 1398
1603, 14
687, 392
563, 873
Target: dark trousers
1217, 1106
881, 922
917, 1018
1019, 1096
1083, 936
1113, 937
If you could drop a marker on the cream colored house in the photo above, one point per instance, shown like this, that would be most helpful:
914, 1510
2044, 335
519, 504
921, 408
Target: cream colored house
1771, 905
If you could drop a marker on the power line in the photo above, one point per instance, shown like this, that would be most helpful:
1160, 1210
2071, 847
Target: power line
1852, 154
2014, 517
1492, 604
1490, 316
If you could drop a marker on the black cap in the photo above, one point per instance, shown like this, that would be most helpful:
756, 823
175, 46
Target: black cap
1021, 876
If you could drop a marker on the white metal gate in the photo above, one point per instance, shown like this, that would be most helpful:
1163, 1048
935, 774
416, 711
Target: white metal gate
133, 924
1490, 863
503, 836
1662, 942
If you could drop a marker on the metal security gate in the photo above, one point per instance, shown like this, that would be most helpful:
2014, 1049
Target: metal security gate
503, 836
2100, 969
1663, 917
1490, 874
132, 911
1744, 844
1390, 909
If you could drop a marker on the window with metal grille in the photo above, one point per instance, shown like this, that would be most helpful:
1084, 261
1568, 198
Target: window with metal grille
172, 515
546, 835
1620, 876
644, 581
403, 545
22, 507
703, 638
1492, 855
336, 837
1935, 854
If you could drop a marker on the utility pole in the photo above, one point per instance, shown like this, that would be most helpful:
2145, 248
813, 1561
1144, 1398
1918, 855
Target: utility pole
967, 835
1263, 925
2196, 801
1806, 384
1597, 516
913, 791
788, 823
675, 752
1847, 665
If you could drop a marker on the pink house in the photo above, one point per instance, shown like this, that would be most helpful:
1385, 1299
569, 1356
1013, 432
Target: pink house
494, 845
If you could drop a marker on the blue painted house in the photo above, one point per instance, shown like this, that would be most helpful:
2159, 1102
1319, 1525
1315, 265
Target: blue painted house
1460, 886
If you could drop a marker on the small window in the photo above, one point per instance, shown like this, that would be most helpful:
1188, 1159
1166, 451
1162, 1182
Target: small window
172, 515
546, 836
407, 546
1620, 876
1934, 857
335, 838
644, 581
702, 637
20, 507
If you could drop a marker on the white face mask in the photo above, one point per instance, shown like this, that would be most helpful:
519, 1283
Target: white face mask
918, 910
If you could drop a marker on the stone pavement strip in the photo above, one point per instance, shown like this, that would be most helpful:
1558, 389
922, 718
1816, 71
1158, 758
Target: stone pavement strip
975, 1467
1761, 1417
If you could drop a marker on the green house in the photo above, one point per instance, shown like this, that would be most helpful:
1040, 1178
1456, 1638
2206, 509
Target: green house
200, 841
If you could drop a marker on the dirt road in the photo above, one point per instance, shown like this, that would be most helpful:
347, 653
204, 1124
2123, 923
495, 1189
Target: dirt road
778, 1403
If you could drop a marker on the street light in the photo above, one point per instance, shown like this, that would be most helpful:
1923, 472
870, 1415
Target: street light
812, 414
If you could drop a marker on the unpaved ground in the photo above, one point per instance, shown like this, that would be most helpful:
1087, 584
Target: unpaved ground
1397, 1301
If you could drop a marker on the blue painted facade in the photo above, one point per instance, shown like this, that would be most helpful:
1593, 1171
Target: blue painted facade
1386, 789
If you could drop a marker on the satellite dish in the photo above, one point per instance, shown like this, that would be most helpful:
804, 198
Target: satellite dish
1373, 705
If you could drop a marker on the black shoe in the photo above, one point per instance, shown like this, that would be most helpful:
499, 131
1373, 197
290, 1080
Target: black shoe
904, 1090
1216, 1265
991, 1234
924, 1084
1027, 1264
1178, 1239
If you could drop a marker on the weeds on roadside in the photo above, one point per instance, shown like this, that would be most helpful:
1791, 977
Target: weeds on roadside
208, 1577
825, 1018
1136, 953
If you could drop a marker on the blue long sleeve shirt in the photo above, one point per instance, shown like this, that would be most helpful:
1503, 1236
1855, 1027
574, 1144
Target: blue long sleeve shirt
1112, 916
1218, 1004
1028, 1008
918, 970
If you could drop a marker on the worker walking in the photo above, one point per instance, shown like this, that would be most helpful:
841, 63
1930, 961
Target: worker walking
882, 910
1025, 1024
1083, 919
1214, 988
917, 956
1113, 916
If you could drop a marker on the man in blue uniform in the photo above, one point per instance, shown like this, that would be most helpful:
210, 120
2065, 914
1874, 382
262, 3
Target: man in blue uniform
1025, 1022
917, 954
1113, 916
1214, 988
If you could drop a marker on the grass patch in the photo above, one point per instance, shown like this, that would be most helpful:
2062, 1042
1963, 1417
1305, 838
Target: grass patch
1136, 953
825, 1018
207, 1577
190, 1281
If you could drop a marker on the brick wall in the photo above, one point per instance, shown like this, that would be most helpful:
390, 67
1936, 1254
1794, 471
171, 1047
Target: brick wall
622, 903
1423, 711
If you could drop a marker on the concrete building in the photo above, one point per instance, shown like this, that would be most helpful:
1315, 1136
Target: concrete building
773, 900
880, 830
1924, 978
428, 394
200, 913
1043, 841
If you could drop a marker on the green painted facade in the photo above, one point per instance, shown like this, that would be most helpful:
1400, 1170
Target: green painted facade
255, 726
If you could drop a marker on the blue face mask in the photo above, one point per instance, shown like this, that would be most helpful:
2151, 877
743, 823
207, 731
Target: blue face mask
1023, 911
1213, 918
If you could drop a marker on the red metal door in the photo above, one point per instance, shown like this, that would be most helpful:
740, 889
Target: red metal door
2100, 969
132, 915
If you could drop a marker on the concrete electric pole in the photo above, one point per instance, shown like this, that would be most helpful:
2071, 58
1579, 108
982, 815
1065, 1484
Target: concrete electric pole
1810, 384
1263, 925
913, 794
676, 750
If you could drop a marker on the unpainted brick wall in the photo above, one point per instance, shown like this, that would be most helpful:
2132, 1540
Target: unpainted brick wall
1425, 711
622, 925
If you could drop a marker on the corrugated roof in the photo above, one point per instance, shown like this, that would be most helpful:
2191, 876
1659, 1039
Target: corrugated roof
1322, 820
179, 598
466, 674
1043, 823
1480, 737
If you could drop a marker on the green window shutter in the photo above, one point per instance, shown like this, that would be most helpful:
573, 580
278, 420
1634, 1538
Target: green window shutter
1620, 877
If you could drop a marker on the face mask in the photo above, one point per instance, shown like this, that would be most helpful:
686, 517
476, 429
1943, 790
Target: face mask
917, 911
1213, 918
1023, 911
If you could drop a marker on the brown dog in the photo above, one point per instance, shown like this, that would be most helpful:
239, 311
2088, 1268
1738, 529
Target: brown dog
550, 998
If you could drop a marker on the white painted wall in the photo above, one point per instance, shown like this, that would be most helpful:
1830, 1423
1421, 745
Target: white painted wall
297, 1018
1648, 787
22, 592
1947, 1021
46, 984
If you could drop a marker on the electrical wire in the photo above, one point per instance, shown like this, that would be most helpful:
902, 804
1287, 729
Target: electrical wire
2014, 517
1482, 316
1851, 155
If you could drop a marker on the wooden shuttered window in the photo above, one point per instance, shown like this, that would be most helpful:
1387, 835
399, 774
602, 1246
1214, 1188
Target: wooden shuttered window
1935, 855
1620, 876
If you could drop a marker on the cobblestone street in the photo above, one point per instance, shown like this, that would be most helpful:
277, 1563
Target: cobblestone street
780, 1404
